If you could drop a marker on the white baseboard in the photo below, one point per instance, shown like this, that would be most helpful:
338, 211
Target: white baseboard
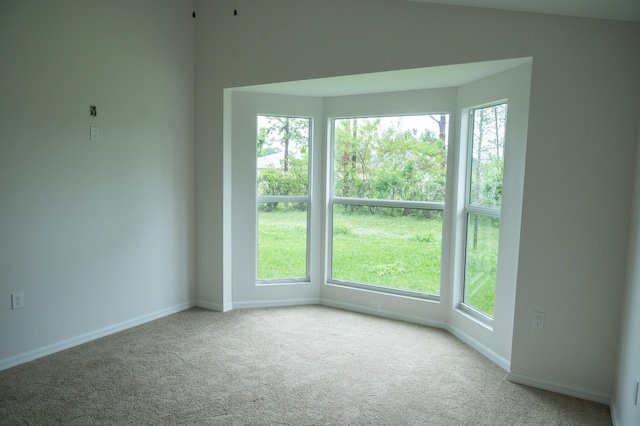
491, 355
575, 391
613, 408
87, 337
214, 306
251, 304
380, 313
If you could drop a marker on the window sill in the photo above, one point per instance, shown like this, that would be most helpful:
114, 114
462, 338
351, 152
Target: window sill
385, 290
476, 316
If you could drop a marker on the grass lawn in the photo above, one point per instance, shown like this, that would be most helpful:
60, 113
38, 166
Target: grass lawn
392, 251
402, 252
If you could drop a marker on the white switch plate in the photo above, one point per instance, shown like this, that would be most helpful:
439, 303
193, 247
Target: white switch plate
17, 301
94, 133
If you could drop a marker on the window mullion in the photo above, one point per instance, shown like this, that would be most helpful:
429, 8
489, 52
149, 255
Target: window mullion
282, 199
429, 205
484, 211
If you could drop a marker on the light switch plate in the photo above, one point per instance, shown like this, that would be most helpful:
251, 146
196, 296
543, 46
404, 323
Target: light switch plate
17, 300
94, 133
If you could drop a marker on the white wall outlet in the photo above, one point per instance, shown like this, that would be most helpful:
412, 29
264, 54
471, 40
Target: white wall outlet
538, 320
375, 304
17, 301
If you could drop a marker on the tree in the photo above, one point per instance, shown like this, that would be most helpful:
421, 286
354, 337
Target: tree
381, 159
487, 162
289, 174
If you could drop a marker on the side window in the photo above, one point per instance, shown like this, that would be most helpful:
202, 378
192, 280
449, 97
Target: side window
483, 202
283, 198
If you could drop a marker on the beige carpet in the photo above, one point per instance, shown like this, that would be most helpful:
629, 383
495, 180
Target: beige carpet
308, 365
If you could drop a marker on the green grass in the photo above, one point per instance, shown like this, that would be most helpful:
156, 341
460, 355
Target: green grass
391, 251
482, 258
282, 244
401, 252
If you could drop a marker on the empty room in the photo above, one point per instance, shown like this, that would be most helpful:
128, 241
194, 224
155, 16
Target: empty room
319, 212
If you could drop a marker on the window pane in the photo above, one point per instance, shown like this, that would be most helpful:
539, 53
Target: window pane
283, 155
389, 247
282, 240
487, 156
481, 262
391, 158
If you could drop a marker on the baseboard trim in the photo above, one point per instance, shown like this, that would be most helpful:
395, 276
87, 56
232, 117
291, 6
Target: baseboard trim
575, 391
380, 313
613, 409
214, 306
92, 335
491, 355
252, 304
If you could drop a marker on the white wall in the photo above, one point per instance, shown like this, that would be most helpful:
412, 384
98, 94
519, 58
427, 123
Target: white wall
623, 407
585, 104
97, 235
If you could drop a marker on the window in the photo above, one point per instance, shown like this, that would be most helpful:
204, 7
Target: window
283, 198
483, 201
388, 180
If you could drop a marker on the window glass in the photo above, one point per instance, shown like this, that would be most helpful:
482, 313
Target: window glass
481, 262
391, 158
283, 155
282, 240
390, 247
487, 156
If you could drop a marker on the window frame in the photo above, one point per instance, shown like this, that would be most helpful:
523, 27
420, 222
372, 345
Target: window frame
468, 209
287, 199
333, 200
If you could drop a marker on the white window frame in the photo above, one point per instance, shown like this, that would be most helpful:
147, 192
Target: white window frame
332, 200
470, 209
288, 199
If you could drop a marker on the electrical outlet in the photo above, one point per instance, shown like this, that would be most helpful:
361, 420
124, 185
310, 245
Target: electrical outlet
375, 304
17, 301
538, 320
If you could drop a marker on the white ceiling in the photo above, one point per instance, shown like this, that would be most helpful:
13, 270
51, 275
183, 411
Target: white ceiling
625, 10
390, 81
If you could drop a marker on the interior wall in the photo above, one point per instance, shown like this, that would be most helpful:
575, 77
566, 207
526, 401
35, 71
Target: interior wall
626, 403
582, 135
96, 234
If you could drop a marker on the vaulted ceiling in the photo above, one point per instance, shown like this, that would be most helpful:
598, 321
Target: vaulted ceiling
625, 10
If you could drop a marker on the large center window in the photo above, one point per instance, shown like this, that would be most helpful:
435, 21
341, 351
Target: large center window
388, 180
